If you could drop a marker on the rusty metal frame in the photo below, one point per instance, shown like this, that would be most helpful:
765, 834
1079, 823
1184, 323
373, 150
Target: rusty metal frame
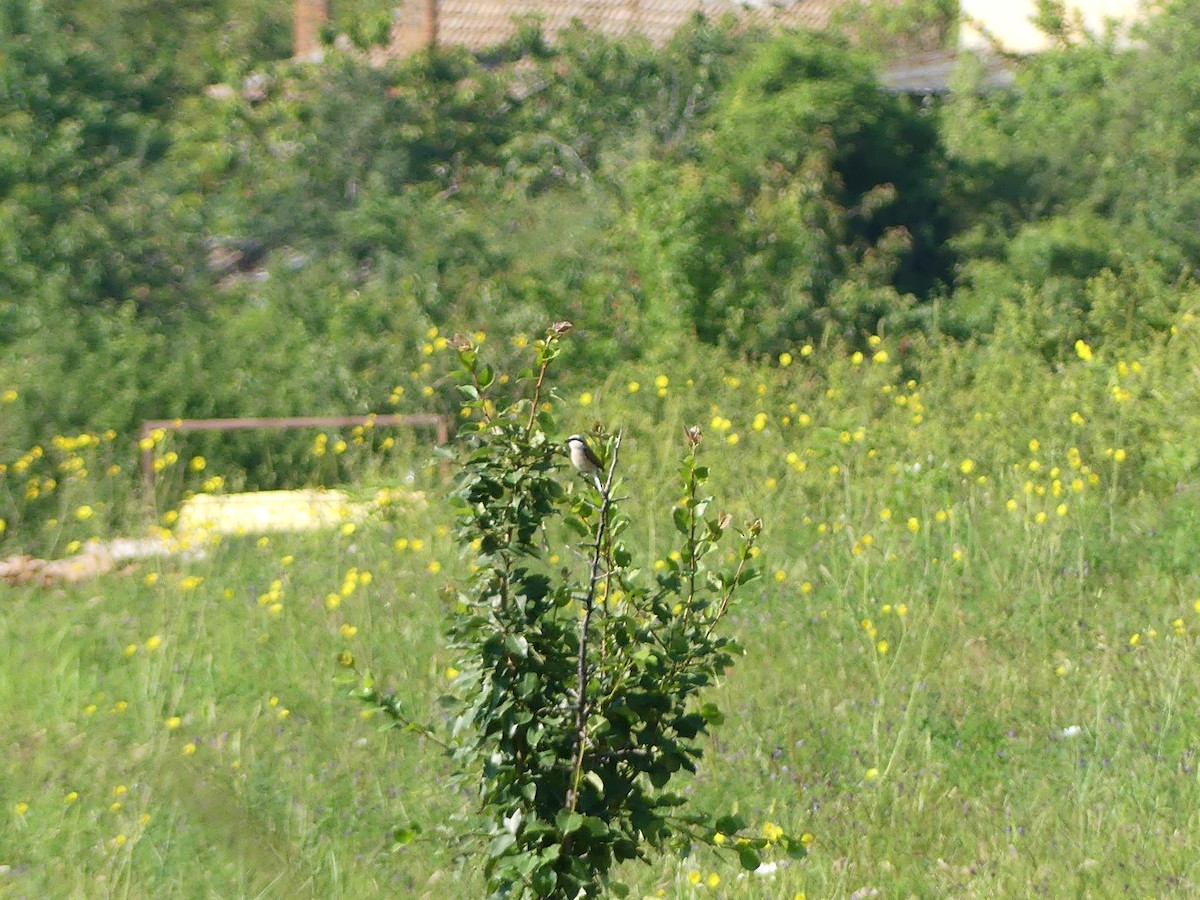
439, 423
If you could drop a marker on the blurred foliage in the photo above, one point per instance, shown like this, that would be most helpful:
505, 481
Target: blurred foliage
813, 204
88, 210
893, 29
192, 224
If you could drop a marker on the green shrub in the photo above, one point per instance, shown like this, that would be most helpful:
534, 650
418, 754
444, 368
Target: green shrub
576, 700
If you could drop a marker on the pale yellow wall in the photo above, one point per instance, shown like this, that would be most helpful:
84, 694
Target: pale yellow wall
1008, 20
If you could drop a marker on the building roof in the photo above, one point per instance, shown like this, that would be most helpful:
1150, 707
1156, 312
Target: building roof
479, 24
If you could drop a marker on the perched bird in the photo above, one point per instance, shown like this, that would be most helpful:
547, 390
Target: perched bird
583, 459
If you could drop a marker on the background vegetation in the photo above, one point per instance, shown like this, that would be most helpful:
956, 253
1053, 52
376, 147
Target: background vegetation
283, 246
943, 347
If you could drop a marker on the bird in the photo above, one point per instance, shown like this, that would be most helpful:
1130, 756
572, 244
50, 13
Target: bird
583, 459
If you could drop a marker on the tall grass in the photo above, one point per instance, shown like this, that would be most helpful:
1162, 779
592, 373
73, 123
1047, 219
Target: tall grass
968, 669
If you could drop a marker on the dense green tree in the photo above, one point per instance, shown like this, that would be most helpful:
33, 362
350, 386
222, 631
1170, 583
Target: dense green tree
814, 203
187, 43
894, 29
1086, 166
83, 216
1150, 154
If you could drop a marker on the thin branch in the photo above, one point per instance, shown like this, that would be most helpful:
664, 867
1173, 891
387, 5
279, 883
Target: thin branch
537, 397
390, 707
731, 587
581, 669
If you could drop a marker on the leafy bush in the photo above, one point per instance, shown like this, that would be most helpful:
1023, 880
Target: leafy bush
575, 705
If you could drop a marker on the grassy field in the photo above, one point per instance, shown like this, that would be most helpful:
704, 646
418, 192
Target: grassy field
969, 671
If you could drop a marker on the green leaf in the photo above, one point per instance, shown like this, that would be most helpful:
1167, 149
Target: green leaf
529, 684
568, 821
712, 715
595, 827
525, 864
686, 468
669, 801
595, 781
794, 848
748, 575
503, 841
729, 824
679, 514
689, 726
486, 376
517, 645
406, 835
545, 880
577, 525
749, 858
